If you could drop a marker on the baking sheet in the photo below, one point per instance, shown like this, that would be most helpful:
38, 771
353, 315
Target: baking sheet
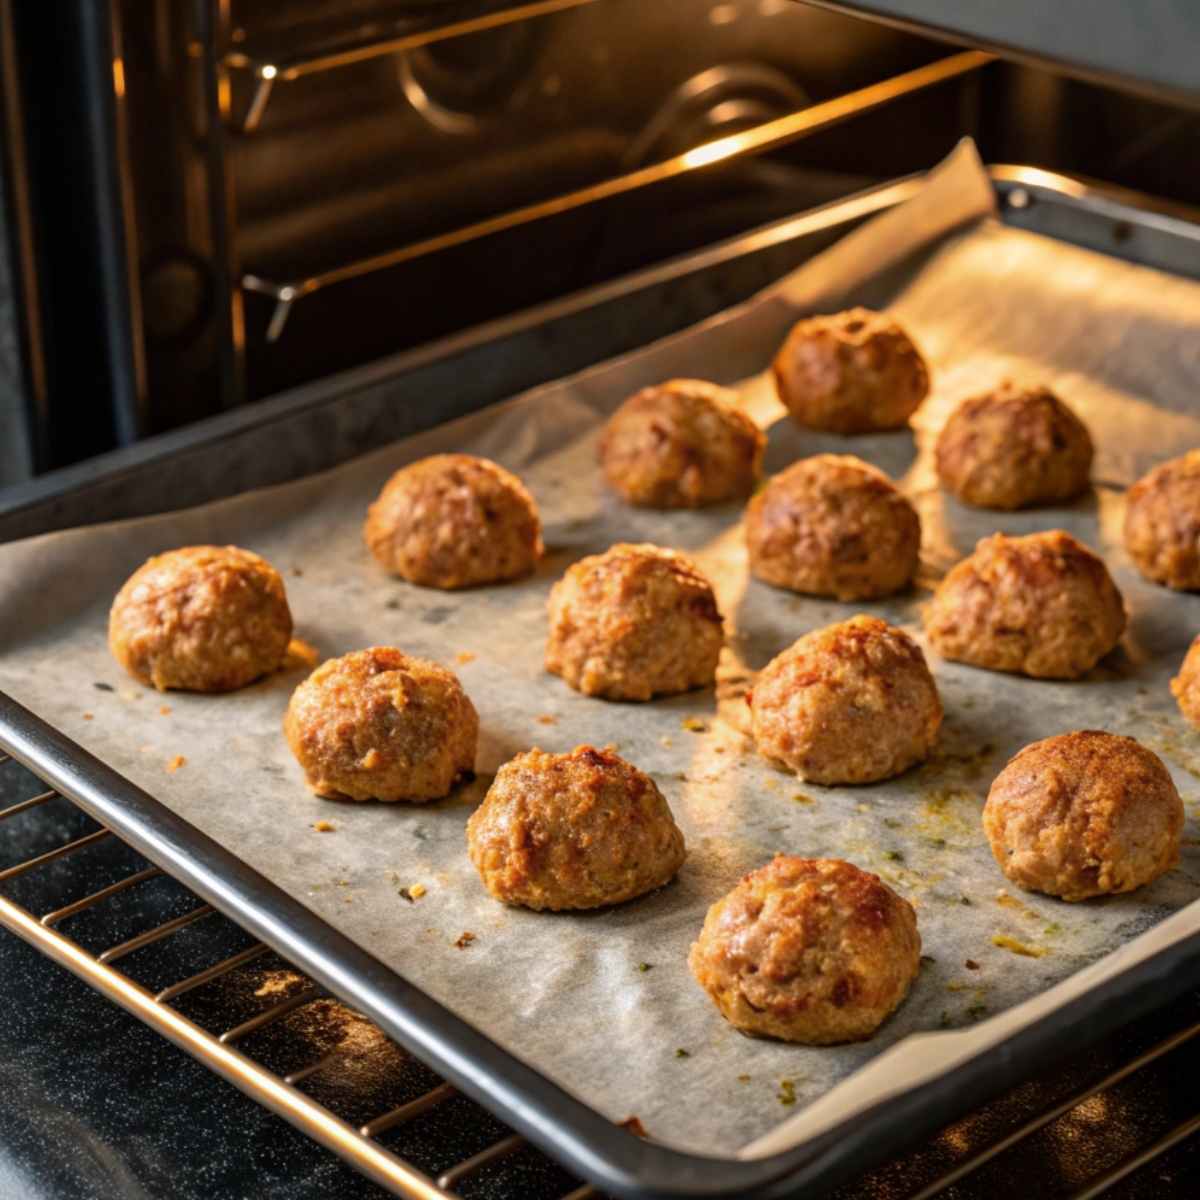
603, 1002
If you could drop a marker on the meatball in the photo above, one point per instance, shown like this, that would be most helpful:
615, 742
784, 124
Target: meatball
573, 830
1013, 448
1185, 687
632, 623
201, 619
808, 950
454, 521
1042, 605
682, 444
852, 372
833, 525
1084, 814
1162, 523
380, 725
852, 703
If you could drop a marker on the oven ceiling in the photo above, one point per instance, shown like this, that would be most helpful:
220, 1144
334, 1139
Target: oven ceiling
1152, 46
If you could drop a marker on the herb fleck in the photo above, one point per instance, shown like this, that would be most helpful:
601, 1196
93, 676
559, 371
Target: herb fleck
787, 1092
976, 1011
743, 1079
927, 960
694, 725
964, 900
645, 966
682, 1053
104, 687
893, 856
971, 965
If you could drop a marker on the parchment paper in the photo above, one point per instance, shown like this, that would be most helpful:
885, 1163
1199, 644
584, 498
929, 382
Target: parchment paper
603, 1002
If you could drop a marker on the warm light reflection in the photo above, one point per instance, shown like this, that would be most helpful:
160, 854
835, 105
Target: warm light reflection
711, 152
119, 77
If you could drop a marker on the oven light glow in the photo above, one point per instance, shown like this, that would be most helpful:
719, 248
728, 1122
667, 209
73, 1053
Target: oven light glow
712, 152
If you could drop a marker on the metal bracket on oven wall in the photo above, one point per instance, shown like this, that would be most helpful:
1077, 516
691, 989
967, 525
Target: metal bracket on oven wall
373, 42
770, 135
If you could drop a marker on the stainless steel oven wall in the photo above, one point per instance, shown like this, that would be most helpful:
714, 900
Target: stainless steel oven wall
282, 178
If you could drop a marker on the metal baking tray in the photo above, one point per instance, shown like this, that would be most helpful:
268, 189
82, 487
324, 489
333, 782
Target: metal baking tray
584, 1141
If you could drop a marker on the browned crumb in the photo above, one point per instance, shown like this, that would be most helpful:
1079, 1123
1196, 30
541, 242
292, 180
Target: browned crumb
464, 656
370, 760
635, 1126
276, 983
417, 891
88, 716
693, 725
787, 1092
464, 939
297, 572
324, 826
1022, 948
665, 741
164, 710
547, 719
300, 654
175, 763
802, 798
743, 1078
971, 965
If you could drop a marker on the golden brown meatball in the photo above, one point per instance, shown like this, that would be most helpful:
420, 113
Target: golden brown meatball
852, 703
852, 372
573, 830
1162, 523
380, 725
1042, 605
809, 950
1014, 447
1084, 814
201, 619
454, 521
1185, 687
682, 444
833, 525
632, 623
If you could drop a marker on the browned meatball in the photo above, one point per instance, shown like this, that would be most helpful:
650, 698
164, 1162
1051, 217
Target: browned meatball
454, 521
379, 725
201, 619
1084, 814
1042, 605
1014, 447
682, 444
852, 703
1162, 523
809, 950
852, 372
833, 525
573, 830
632, 623
1185, 687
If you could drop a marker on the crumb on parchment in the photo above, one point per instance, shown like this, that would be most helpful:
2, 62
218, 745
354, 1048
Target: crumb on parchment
665, 742
417, 890
694, 725
1005, 942
971, 965
164, 710
744, 1078
546, 719
103, 687
175, 763
89, 716
324, 826
464, 656
787, 1092
634, 1125
464, 939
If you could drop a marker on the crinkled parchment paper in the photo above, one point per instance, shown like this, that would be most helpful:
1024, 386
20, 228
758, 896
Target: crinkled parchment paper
603, 1002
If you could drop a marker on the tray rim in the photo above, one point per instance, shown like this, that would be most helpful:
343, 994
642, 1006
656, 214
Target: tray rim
565, 1127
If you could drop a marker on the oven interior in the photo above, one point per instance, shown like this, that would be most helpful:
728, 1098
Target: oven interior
268, 194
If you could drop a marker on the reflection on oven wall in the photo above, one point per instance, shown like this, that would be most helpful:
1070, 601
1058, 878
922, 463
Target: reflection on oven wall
259, 148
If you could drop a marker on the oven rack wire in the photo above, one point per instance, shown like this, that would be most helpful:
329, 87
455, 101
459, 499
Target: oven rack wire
357, 1143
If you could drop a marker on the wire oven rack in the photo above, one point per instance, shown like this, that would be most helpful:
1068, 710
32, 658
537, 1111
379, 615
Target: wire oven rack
270, 1030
